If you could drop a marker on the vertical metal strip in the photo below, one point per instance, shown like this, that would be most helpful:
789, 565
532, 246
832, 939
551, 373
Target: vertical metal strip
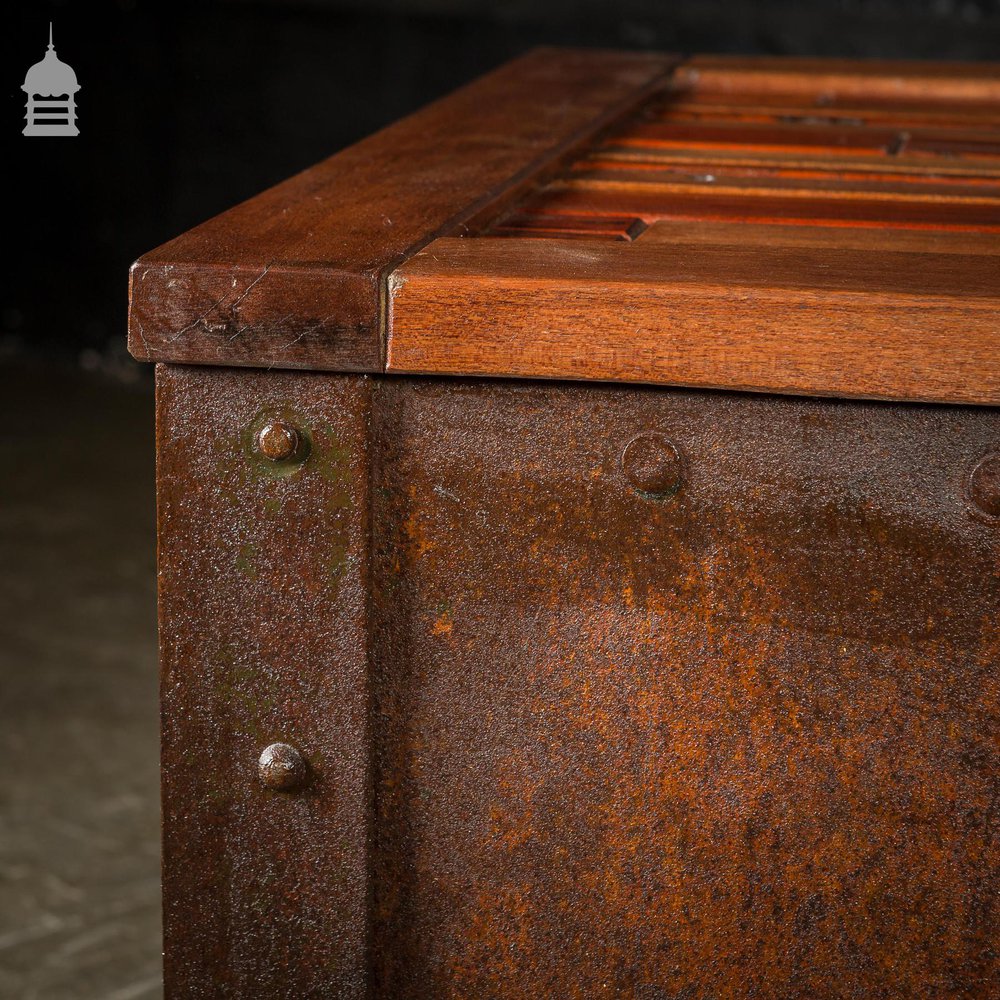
264, 636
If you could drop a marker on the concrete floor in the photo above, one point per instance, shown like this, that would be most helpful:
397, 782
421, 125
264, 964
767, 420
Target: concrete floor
79, 813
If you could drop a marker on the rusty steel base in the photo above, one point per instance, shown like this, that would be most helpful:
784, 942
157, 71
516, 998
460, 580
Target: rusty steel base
584, 691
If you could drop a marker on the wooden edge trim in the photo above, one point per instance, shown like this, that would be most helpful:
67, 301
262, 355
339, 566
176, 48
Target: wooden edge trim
613, 319
295, 277
831, 80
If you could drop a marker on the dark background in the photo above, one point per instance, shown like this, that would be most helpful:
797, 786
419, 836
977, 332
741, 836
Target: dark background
187, 108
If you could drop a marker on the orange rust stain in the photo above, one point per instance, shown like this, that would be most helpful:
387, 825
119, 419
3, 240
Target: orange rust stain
443, 625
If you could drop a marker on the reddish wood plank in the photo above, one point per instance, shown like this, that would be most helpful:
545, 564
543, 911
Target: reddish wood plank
901, 165
879, 324
765, 183
757, 108
744, 234
651, 203
836, 139
812, 138
805, 166
293, 277
828, 81
826, 172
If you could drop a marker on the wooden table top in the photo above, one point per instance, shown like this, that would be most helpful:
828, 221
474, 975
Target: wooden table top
797, 226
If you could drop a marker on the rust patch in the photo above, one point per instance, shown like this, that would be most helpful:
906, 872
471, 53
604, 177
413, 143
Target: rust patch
564, 741
263, 629
741, 744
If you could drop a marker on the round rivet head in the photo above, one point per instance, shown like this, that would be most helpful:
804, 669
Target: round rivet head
652, 464
282, 768
278, 441
984, 485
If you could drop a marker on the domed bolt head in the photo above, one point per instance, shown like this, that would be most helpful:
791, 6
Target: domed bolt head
278, 441
984, 485
652, 464
282, 768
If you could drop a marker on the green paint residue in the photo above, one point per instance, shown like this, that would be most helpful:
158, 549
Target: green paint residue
246, 561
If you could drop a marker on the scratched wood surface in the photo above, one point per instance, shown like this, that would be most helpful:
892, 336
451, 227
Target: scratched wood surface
294, 277
799, 226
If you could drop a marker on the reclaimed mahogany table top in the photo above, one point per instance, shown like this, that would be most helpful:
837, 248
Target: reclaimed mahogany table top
792, 226
505, 687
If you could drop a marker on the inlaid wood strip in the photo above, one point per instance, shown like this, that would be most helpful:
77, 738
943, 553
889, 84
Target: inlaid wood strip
873, 323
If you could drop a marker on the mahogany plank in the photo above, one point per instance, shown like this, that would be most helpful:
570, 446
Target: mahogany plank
901, 165
809, 138
746, 234
877, 324
588, 174
805, 166
787, 110
293, 278
829, 81
650, 203
824, 171
812, 137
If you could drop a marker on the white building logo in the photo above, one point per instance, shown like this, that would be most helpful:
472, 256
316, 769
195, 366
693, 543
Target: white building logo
51, 88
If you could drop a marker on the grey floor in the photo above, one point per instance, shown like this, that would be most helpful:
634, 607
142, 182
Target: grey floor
79, 850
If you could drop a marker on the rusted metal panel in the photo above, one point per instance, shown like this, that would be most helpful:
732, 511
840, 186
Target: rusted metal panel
263, 607
598, 691
736, 738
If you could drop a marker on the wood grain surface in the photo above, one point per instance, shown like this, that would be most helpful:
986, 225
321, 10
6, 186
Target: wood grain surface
293, 277
832, 80
797, 141
797, 226
814, 319
792, 226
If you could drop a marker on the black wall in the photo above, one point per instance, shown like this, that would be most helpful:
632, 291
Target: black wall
186, 108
